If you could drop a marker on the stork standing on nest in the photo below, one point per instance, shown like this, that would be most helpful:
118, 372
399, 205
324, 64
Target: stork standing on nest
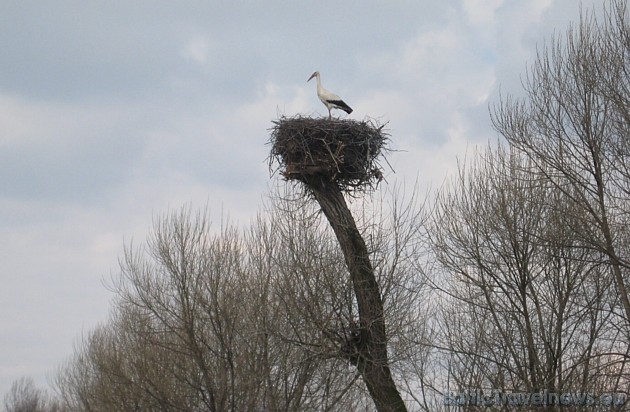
330, 100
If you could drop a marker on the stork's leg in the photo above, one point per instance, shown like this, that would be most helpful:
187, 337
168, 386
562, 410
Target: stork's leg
329, 115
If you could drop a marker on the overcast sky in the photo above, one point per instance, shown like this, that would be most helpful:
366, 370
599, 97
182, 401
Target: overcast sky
115, 112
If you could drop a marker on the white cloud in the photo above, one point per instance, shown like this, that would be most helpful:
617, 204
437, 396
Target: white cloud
197, 49
25, 123
481, 12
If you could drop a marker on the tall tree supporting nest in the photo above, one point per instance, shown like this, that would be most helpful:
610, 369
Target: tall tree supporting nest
331, 157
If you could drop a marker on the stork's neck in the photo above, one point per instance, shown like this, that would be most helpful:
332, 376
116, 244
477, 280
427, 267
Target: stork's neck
319, 83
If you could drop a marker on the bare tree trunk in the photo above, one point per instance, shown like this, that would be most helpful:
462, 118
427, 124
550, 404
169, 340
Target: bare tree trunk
370, 344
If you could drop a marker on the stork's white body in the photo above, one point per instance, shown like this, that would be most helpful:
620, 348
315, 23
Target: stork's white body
330, 100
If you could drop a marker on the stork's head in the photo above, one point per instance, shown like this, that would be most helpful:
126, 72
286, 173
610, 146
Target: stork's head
316, 74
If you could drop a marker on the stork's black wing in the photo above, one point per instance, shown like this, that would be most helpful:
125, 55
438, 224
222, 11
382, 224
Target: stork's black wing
340, 104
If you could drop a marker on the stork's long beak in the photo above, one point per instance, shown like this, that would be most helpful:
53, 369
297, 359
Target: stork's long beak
312, 75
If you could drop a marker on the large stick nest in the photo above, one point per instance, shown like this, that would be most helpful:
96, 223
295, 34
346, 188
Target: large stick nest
318, 151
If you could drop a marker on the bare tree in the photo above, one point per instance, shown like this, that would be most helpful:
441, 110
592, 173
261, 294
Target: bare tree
573, 125
203, 295
223, 319
24, 396
189, 330
330, 158
527, 303
315, 283
241, 320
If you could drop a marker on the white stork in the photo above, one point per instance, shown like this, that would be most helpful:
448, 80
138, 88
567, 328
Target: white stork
330, 100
